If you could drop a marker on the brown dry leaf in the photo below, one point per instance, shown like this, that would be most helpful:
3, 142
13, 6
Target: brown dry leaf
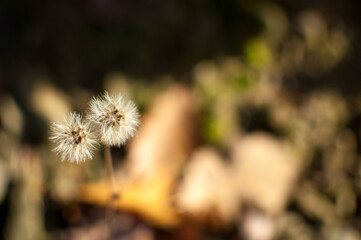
50, 102
208, 192
156, 156
165, 137
265, 170
150, 199
10, 115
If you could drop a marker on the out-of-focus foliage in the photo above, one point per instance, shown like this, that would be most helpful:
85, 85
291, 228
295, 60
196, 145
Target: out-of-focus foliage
251, 119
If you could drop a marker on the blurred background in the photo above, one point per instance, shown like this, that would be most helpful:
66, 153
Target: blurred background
251, 119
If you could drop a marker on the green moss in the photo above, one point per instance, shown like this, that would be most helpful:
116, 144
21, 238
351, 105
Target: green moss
257, 53
242, 82
211, 129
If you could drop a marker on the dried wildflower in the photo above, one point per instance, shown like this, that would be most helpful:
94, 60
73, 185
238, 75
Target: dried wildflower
115, 118
73, 139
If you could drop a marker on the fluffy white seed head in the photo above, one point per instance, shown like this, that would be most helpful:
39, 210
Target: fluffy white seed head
73, 139
115, 118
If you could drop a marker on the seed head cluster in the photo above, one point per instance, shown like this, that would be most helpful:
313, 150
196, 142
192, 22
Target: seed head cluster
74, 139
115, 118
112, 119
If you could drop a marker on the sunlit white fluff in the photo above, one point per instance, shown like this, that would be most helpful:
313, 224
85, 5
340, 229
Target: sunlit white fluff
115, 118
73, 139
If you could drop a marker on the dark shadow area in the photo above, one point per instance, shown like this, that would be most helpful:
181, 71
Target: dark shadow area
76, 42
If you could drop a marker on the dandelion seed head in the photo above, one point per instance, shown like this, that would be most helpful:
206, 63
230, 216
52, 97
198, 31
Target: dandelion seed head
74, 141
115, 118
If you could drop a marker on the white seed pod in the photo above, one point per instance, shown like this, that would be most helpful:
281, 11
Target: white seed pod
115, 118
74, 141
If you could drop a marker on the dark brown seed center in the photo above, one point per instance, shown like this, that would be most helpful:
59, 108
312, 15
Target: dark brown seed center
113, 117
116, 114
78, 135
